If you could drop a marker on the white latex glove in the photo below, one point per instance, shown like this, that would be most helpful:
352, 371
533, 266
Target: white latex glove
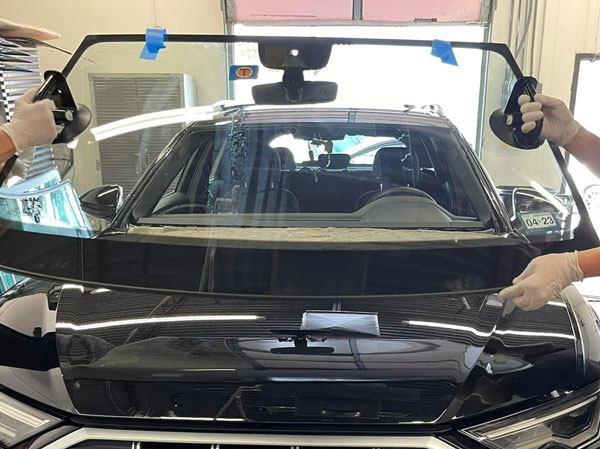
32, 123
559, 125
543, 279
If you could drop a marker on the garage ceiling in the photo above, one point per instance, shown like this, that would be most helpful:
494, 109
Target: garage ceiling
368, 11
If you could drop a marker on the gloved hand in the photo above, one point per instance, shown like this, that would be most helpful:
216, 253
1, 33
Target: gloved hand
543, 279
32, 123
559, 125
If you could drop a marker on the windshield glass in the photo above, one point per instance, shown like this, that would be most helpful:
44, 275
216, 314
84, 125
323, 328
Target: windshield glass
321, 169
278, 140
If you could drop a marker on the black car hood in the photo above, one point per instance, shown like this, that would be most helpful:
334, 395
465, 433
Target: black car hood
437, 357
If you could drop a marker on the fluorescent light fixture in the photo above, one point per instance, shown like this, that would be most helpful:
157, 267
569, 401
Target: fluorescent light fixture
557, 304
456, 327
100, 290
479, 333
73, 287
535, 334
178, 418
156, 320
208, 369
153, 119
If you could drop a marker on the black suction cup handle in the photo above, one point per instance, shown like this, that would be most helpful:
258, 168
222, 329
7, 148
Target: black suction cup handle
74, 118
532, 139
506, 124
51, 81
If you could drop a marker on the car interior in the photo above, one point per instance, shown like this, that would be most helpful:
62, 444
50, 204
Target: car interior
267, 179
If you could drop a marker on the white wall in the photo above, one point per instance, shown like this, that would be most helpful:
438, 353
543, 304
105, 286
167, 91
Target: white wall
572, 26
75, 19
559, 30
206, 65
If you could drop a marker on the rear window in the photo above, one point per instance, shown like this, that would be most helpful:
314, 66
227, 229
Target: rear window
327, 174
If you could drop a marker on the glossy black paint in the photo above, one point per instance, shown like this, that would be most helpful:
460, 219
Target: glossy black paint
442, 354
103, 201
438, 357
121, 260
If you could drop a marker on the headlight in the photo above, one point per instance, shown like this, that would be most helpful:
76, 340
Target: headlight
571, 424
19, 422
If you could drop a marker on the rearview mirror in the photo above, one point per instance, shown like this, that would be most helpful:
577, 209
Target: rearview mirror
103, 201
303, 93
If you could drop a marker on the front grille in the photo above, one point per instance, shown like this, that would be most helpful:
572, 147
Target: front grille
302, 402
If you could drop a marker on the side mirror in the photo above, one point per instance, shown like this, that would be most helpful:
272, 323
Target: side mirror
103, 201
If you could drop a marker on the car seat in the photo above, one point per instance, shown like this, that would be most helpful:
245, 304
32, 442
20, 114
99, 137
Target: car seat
288, 166
395, 168
262, 190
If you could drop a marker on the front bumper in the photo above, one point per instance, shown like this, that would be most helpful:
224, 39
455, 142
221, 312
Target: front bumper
135, 439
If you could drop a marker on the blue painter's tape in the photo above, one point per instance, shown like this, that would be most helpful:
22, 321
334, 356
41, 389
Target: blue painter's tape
155, 40
243, 72
443, 50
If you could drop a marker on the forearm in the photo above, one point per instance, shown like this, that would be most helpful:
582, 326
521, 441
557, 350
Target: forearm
589, 262
586, 148
7, 147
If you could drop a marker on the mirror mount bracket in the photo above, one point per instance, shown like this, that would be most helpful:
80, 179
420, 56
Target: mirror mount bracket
74, 118
293, 84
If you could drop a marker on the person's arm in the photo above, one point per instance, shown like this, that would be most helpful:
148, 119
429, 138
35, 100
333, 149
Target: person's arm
589, 262
546, 276
32, 124
560, 127
585, 146
7, 147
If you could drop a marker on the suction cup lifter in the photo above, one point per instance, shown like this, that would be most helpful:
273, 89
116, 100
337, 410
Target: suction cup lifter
71, 117
506, 124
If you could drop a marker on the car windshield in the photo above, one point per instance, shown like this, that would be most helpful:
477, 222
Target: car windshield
292, 141
318, 169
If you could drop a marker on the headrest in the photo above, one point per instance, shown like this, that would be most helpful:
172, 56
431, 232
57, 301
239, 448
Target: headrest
396, 166
261, 168
334, 161
265, 157
286, 157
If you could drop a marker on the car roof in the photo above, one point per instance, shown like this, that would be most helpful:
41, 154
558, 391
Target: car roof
427, 116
